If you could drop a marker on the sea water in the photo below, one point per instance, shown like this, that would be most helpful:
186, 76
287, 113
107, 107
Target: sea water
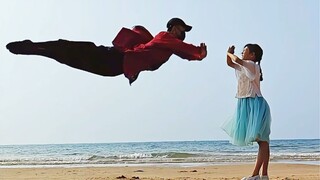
159, 153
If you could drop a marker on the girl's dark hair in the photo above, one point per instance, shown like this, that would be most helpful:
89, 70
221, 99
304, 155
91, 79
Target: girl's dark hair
257, 50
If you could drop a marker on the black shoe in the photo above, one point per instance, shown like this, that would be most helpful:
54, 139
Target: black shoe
21, 47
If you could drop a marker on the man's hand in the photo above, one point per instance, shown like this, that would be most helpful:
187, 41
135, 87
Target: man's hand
203, 49
231, 49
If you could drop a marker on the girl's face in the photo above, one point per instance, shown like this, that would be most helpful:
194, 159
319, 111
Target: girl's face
247, 55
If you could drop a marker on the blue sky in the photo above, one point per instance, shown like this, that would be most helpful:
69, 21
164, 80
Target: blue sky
42, 101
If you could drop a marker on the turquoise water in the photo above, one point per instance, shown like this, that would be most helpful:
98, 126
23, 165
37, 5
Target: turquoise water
183, 152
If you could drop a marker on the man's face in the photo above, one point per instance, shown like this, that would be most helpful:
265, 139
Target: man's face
180, 32
182, 35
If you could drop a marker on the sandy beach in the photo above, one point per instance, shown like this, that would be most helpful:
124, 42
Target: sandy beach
277, 171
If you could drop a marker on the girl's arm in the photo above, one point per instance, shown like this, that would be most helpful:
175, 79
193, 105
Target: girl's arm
249, 68
230, 57
235, 58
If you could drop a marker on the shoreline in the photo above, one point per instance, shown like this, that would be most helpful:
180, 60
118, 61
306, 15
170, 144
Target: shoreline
150, 172
174, 164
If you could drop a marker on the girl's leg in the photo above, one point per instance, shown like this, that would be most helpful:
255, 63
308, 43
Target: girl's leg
262, 159
266, 157
259, 162
105, 61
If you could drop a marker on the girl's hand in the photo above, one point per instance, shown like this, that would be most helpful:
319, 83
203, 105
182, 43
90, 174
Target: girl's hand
231, 49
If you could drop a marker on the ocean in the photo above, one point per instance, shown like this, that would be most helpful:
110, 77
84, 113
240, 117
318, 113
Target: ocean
181, 153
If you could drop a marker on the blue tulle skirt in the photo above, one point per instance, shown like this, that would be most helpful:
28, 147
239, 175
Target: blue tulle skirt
250, 123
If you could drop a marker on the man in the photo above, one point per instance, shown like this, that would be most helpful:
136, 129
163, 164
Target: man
133, 51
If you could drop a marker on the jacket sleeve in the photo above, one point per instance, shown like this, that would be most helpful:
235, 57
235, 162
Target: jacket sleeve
178, 47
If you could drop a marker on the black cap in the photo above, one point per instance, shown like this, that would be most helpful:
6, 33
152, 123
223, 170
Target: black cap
178, 21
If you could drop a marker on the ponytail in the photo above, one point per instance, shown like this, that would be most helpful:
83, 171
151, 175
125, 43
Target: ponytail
258, 55
261, 76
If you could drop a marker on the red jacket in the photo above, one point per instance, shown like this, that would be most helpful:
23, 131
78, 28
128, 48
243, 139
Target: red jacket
143, 52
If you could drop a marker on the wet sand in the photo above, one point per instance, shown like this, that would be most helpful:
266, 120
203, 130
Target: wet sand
276, 171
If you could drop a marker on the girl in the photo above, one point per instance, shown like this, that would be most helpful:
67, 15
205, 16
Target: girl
252, 119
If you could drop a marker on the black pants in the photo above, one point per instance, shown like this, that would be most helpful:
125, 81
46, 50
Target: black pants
101, 60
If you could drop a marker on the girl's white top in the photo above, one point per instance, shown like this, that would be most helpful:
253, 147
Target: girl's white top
248, 77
